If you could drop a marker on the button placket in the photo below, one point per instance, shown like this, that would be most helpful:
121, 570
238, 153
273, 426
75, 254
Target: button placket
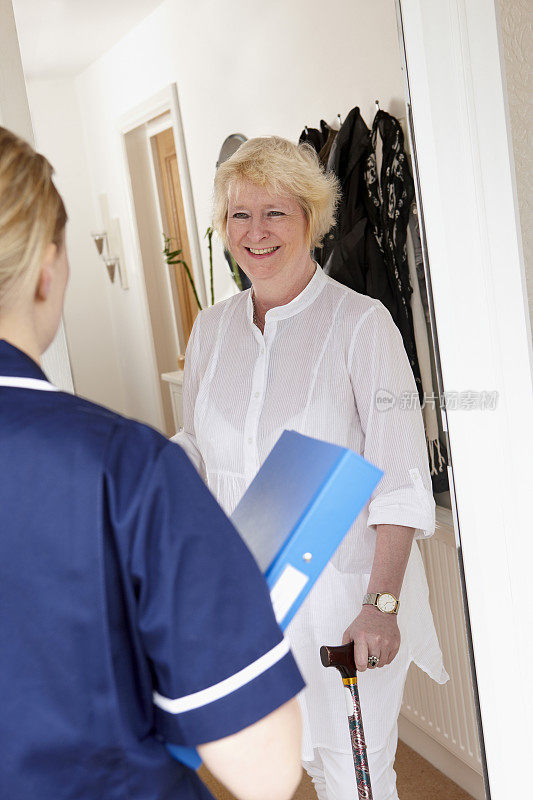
253, 414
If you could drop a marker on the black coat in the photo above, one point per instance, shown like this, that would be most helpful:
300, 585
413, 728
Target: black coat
351, 252
320, 140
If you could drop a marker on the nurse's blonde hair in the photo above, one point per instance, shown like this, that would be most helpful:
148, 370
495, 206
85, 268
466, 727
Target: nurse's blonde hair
32, 214
284, 169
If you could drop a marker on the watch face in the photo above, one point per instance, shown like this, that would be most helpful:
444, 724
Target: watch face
387, 603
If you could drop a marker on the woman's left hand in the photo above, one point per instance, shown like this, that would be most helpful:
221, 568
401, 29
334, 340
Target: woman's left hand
373, 633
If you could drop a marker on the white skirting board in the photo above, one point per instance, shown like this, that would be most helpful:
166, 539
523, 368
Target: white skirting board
441, 758
439, 721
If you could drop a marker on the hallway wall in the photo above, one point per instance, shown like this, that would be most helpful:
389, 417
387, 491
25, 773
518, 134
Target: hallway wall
516, 19
88, 318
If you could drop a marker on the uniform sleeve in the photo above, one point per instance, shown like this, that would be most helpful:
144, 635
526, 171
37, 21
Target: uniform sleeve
205, 622
389, 410
186, 437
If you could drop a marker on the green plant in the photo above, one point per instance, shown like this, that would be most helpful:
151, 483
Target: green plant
209, 236
233, 265
235, 271
172, 258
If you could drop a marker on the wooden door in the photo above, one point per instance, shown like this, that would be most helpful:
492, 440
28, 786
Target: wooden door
176, 226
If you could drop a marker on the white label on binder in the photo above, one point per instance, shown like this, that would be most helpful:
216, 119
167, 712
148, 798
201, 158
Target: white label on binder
286, 589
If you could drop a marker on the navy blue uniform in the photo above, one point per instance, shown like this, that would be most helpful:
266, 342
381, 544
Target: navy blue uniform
130, 610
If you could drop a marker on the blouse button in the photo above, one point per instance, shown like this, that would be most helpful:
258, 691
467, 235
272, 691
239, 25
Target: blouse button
256, 394
250, 440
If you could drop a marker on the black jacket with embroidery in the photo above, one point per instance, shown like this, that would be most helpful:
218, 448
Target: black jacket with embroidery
364, 249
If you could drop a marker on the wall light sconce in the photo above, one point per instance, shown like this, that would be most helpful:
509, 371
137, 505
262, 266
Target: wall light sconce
102, 246
108, 243
112, 262
100, 240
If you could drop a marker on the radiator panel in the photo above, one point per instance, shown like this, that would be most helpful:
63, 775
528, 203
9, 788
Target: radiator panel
446, 713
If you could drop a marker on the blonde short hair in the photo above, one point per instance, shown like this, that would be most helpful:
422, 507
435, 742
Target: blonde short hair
32, 214
283, 168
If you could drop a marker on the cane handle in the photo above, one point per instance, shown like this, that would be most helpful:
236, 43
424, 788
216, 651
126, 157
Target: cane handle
340, 657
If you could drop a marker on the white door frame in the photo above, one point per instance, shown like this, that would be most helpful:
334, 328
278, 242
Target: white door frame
167, 100
465, 164
163, 102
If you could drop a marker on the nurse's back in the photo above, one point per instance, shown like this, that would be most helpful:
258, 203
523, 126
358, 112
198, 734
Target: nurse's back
120, 623
71, 660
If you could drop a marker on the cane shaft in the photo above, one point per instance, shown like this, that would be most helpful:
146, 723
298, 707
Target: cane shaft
357, 736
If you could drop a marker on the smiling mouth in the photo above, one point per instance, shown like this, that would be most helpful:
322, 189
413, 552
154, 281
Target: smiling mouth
263, 251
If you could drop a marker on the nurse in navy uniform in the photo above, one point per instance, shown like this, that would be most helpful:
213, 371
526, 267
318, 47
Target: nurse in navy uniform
121, 624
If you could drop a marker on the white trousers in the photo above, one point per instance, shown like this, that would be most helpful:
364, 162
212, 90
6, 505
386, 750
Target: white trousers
333, 774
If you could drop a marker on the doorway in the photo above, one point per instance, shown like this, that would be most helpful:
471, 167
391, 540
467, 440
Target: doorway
164, 324
174, 226
160, 199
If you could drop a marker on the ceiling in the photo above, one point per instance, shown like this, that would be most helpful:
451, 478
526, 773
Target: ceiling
59, 38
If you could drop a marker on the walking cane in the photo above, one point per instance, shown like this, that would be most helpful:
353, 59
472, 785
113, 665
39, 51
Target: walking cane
342, 658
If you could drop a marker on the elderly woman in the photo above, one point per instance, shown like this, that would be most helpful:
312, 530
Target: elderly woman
300, 351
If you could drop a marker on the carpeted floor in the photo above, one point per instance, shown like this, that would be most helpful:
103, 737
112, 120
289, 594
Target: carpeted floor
417, 780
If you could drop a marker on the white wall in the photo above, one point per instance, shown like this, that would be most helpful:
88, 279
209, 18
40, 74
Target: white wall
15, 115
14, 112
252, 68
462, 137
87, 315
517, 40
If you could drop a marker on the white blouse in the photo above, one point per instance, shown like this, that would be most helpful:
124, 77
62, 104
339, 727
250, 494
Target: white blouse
330, 364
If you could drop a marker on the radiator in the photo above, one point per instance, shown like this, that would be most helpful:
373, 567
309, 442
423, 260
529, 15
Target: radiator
445, 713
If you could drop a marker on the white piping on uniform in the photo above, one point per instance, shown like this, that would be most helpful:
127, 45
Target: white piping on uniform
27, 383
225, 687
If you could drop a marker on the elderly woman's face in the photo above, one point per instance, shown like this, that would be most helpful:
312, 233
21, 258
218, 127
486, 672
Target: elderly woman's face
267, 233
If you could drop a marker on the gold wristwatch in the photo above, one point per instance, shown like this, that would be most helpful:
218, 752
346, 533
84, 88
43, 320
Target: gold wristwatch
385, 601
